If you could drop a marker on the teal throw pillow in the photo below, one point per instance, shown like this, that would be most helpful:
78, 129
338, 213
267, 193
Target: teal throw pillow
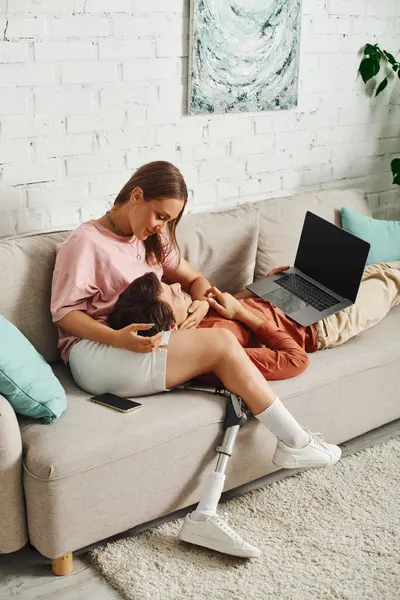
384, 236
26, 379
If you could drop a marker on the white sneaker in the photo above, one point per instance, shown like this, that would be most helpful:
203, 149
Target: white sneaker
317, 453
215, 533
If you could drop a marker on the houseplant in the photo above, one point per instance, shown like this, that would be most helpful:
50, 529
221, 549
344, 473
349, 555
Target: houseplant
374, 58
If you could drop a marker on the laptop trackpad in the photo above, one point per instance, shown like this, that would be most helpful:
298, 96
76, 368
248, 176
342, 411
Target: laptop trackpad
285, 300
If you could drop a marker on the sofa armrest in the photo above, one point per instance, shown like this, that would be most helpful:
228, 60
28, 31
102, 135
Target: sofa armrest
13, 531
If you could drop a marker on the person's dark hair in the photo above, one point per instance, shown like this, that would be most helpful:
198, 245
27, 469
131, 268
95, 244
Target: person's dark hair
140, 303
158, 180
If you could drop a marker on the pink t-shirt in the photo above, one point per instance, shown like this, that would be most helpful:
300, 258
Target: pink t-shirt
93, 266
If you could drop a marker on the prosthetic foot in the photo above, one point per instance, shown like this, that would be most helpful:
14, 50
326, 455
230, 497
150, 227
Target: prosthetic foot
204, 527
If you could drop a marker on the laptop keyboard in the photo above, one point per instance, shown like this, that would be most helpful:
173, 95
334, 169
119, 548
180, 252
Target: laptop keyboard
307, 291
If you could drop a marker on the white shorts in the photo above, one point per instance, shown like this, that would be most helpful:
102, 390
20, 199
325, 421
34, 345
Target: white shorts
98, 368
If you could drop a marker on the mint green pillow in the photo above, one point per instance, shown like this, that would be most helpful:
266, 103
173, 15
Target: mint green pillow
26, 379
384, 236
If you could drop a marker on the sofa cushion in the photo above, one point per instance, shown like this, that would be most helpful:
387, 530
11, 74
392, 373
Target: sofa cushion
90, 435
281, 221
26, 270
384, 236
222, 245
26, 380
369, 350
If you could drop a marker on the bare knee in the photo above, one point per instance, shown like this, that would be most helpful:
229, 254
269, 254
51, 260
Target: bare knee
196, 352
223, 345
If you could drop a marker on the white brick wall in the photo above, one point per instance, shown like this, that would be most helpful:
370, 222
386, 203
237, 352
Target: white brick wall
91, 89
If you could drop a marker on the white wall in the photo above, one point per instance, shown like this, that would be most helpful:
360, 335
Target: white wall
91, 89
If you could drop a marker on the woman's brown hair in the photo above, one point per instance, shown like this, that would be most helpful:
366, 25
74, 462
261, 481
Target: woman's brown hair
158, 180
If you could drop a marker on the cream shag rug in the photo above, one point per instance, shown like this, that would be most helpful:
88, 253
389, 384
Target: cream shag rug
325, 534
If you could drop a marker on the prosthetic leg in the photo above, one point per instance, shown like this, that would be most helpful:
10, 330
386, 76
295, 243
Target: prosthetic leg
204, 527
235, 418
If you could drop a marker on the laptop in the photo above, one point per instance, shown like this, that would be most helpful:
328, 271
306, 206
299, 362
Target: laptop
326, 275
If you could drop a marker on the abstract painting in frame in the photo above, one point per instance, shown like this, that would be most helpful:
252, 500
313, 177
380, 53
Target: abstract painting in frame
244, 55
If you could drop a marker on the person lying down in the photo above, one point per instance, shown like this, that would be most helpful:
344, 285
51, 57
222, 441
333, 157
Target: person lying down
277, 345
274, 343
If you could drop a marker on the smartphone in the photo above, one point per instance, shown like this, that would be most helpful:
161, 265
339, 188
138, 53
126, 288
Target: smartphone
116, 402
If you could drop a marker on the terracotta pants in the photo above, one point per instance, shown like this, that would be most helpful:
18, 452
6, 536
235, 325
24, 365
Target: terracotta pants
379, 292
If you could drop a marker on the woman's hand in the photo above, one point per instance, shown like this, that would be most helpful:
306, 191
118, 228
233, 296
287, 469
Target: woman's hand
198, 310
225, 304
128, 339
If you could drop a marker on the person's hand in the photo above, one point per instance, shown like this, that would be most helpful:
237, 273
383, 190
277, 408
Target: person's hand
224, 303
278, 270
197, 311
128, 338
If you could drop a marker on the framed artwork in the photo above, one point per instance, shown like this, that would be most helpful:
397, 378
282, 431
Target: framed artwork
244, 55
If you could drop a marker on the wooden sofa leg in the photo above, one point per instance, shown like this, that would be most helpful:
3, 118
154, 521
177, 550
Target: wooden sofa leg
62, 565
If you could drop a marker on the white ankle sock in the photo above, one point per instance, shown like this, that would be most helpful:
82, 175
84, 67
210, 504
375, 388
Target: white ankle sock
283, 425
210, 497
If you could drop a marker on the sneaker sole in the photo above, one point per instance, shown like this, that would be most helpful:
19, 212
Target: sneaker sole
304, 465
213, 545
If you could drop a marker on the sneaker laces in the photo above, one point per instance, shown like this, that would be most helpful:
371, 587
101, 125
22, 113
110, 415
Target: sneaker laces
317, 437
225, 527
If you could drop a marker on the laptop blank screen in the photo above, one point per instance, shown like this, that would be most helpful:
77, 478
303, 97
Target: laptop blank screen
331, 256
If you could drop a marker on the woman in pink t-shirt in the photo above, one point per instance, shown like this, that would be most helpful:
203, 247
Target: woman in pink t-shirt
96, 263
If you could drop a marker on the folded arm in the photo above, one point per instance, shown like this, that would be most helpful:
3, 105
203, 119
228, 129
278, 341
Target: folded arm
279, 357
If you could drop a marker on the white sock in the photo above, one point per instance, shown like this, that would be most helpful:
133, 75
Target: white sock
207, 507
283, 425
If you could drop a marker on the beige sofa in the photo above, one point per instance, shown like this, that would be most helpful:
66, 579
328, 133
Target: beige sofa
96, 472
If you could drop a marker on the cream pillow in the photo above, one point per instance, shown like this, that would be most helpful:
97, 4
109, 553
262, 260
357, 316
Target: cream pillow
222, 245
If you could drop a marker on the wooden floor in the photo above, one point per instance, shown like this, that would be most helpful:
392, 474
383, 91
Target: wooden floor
26, 575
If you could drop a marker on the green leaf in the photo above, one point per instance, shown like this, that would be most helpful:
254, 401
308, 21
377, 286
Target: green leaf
390, 57
368, 48
395, 67
381, 86
395, 165
373, 52
369, 67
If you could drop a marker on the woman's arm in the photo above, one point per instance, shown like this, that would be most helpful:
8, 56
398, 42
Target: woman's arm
193, 282
79, 324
